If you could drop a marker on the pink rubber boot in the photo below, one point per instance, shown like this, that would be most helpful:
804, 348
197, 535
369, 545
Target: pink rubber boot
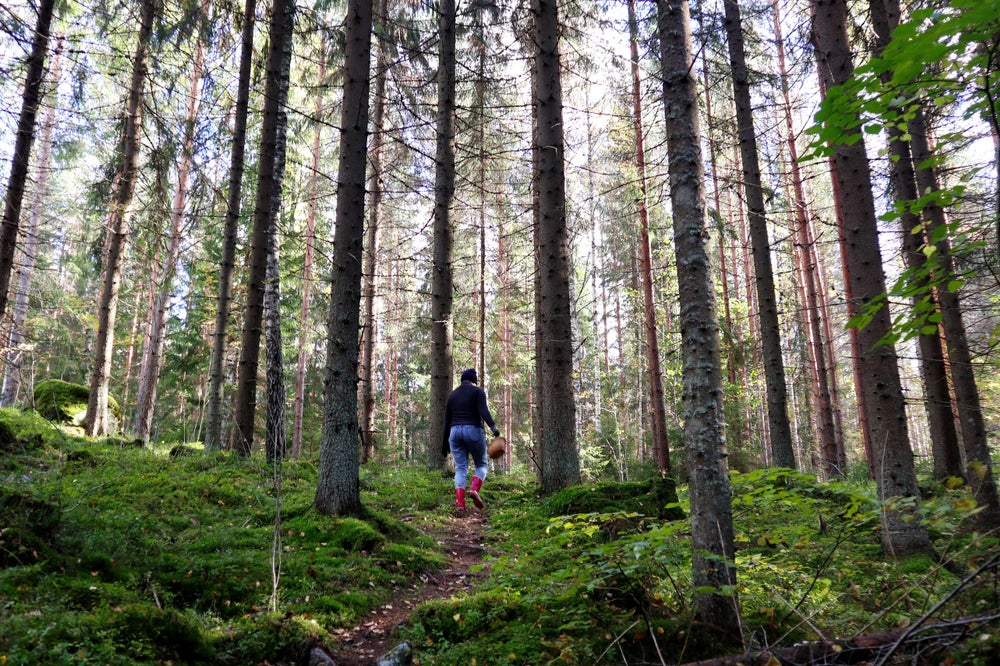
460, 499
474, 487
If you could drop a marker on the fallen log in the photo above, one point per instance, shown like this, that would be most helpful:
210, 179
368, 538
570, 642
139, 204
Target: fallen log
862, 649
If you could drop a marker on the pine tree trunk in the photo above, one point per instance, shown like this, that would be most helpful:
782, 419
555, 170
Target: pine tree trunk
26, 272
979, 466
96, 421
704, 430
366, 396
736, 419
823, 383
299, 402
937, 397
21, 158
560, 461
268, 187
133, 332
213, 417
149, 373
338, 491
537, 391
774, 368
506, 341
442, 281
480, 358
895, 474
658, 413
275, 441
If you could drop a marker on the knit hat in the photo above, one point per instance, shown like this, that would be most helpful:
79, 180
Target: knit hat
470, 376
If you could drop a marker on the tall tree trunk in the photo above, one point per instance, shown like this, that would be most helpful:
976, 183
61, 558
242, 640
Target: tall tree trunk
937, 397
213, 417
659, 413
537, 392
598, 345
366, 396
21, 158
979, 465
26, 272
338, 489
152, 360
712, 537
133, 332
779, 428
268, 186
851, 306
299, 402
735, 417
823, 381
506, 340
274, 442
442, 281
480, 85
895, 474
560, 459
96, 421
823, 304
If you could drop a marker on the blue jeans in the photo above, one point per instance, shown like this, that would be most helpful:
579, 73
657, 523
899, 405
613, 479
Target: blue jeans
466, 440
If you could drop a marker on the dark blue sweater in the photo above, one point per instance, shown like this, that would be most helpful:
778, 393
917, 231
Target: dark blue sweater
466, 406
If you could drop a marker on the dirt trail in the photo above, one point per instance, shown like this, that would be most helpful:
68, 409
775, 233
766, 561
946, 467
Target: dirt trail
463, 542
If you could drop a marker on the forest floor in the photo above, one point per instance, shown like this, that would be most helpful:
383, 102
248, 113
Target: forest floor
463, 541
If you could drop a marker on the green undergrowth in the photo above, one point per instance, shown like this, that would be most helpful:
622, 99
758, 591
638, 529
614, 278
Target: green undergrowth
571, 584
111, 554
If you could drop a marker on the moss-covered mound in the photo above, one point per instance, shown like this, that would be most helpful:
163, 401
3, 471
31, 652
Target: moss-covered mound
66, 402
29, 526
652, 497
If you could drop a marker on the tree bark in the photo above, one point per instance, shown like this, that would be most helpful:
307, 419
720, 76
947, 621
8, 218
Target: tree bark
299, 402
338, 490
96, 421
275, 441
366, 396
978, 462
560, 459
704, 431
213, 417
937, 397
779, 428
736, 418
895, 474
823, 383
268, 186
659, 413
442, 281
21, 158
152, 358
26, 272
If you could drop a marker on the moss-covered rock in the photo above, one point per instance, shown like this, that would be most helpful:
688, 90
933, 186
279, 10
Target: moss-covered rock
653, 497
66, 402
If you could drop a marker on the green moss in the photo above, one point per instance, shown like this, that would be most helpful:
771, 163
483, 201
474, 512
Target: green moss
148, 632
354, 534
653, 497
66, 402
916, 564
403, 558
274, 639
28, 530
